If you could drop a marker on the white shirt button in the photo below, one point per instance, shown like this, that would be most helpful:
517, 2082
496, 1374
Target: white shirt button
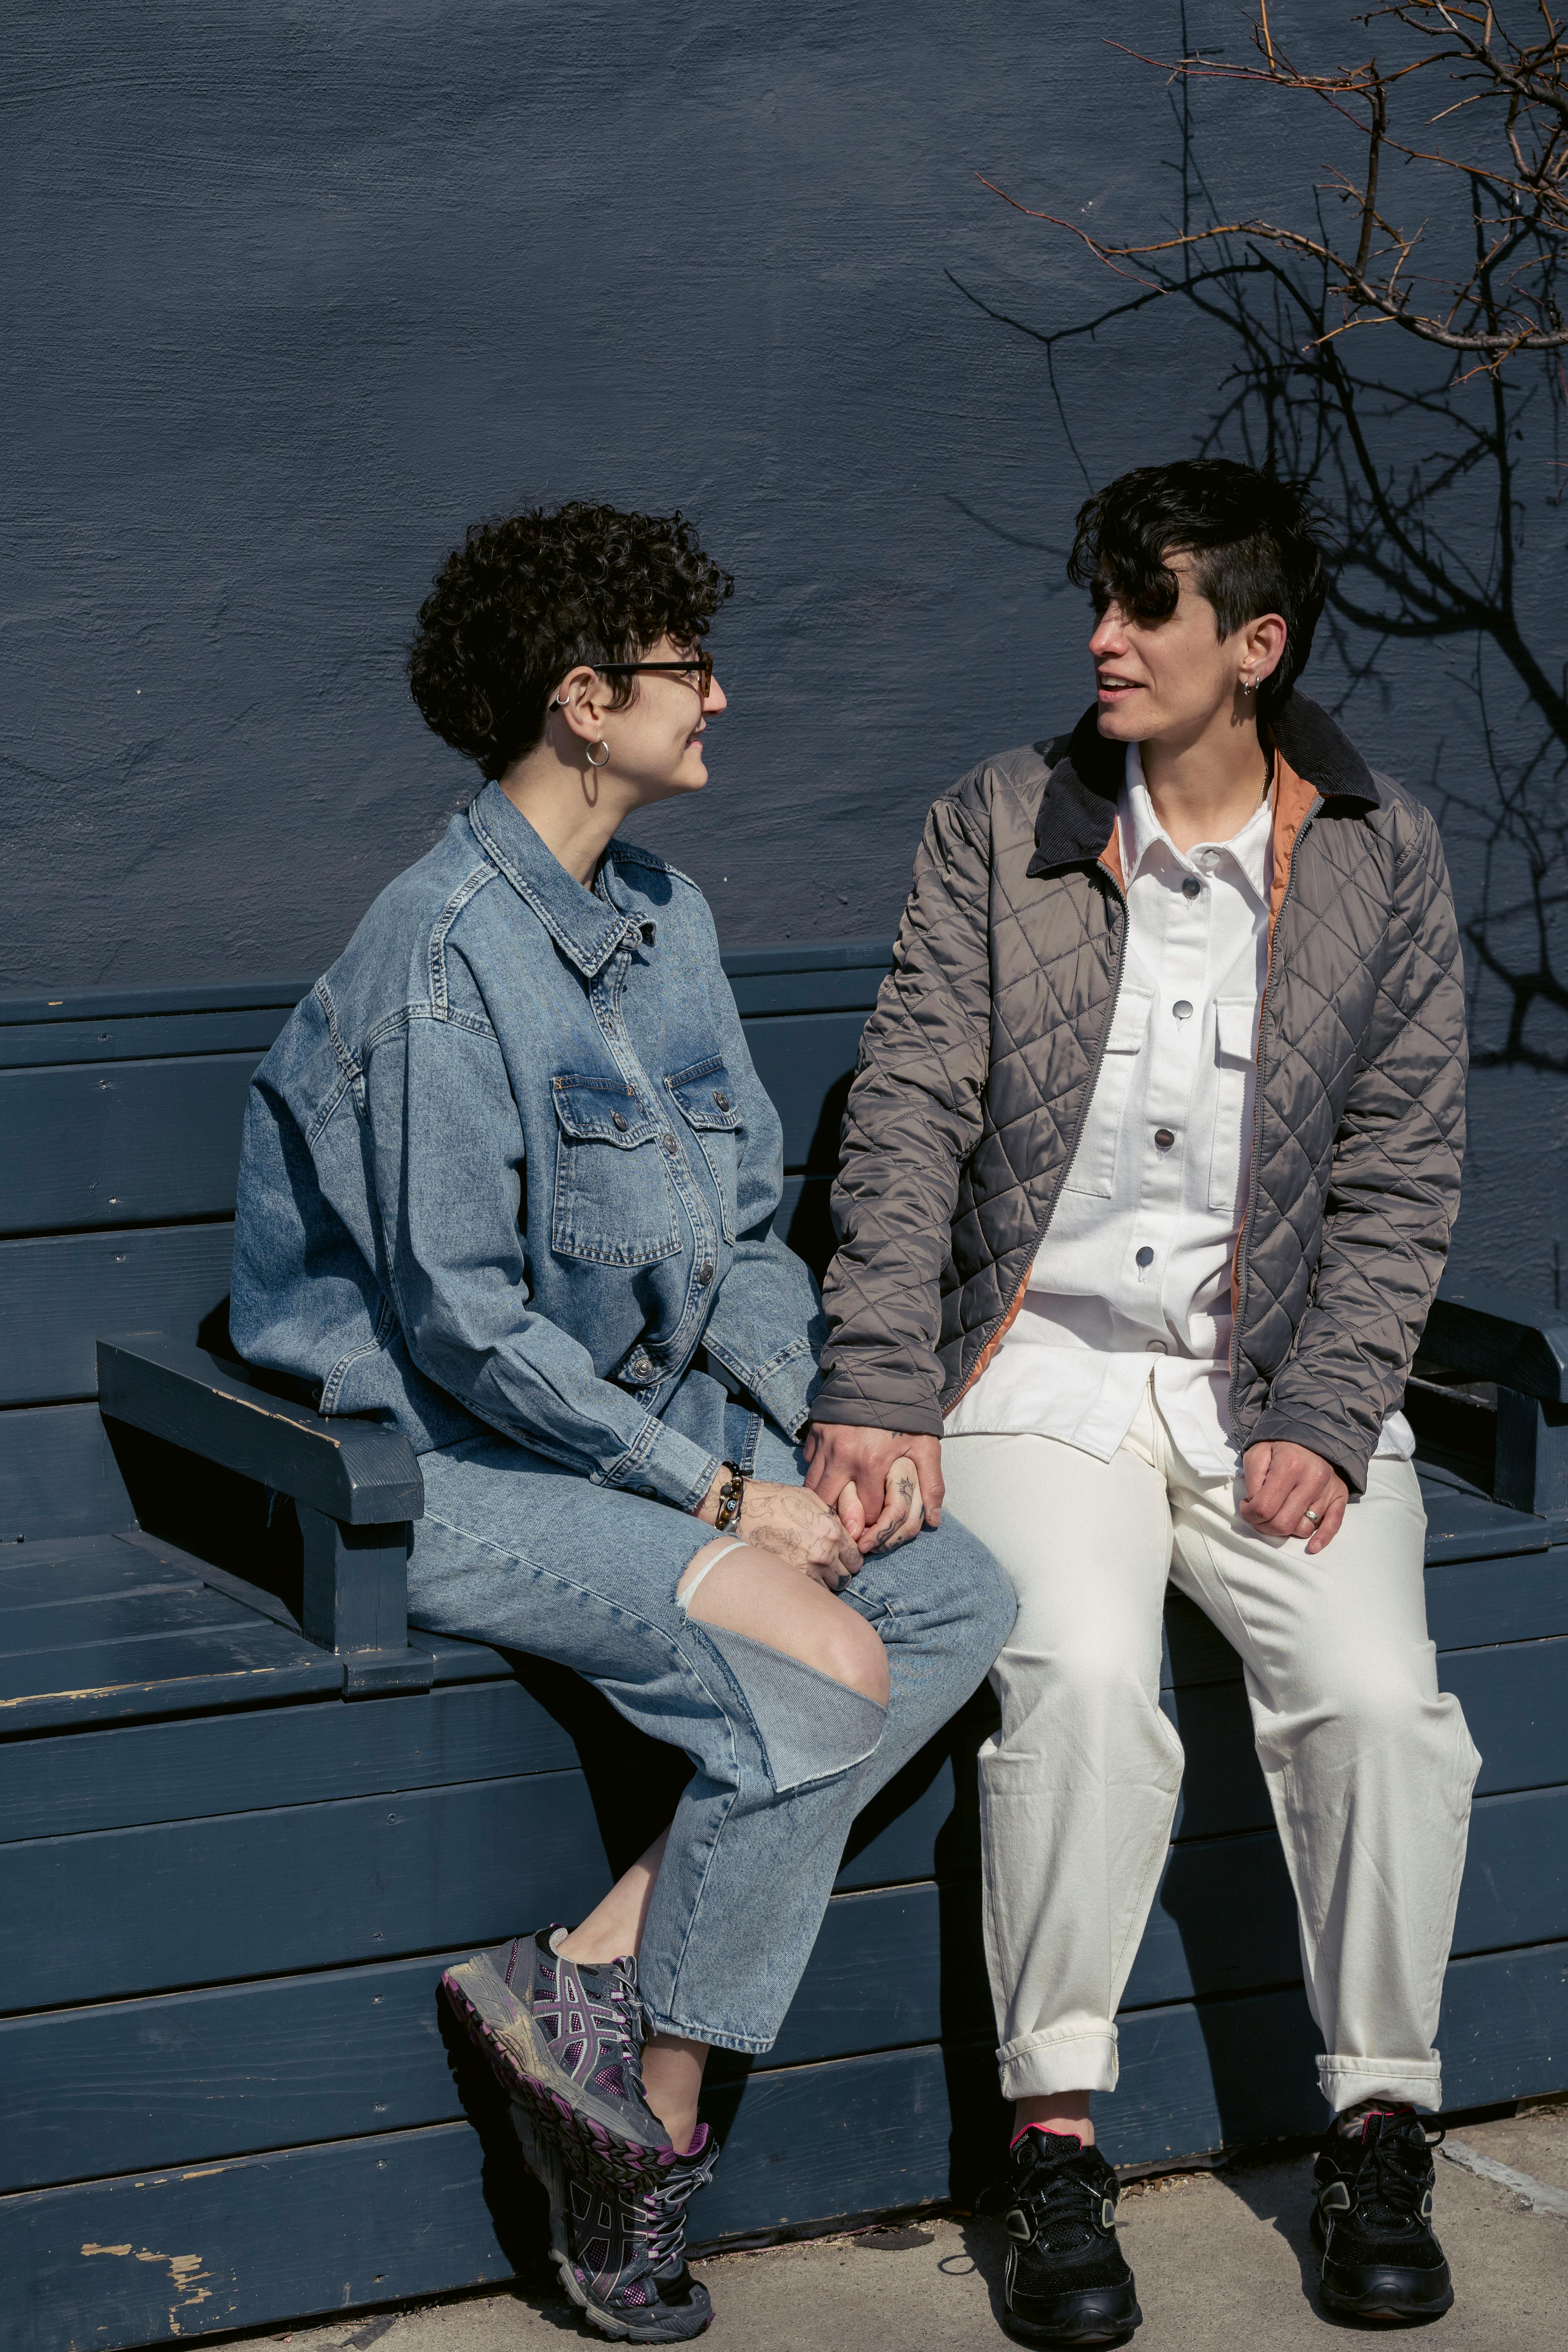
1207, 858
1182, 1009
1191, 887
1157, 1348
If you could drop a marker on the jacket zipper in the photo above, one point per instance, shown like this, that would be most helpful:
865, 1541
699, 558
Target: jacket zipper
1077, 1139
1242, 1266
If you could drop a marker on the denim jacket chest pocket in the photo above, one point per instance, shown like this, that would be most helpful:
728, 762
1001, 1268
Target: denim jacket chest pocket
614, 1200
706, 1101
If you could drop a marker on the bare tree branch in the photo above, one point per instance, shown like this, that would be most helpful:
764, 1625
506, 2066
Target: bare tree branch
1515, 180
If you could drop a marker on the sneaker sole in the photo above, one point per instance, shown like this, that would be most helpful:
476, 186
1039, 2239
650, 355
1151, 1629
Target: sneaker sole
1114, 2322
1394, 2297
500, 2025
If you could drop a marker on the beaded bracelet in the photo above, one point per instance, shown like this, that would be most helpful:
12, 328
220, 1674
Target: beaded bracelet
732, 1498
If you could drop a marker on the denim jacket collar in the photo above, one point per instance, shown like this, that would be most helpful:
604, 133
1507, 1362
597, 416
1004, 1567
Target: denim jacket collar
587, 929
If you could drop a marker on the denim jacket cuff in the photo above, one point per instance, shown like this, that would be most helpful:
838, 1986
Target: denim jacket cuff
659, 1459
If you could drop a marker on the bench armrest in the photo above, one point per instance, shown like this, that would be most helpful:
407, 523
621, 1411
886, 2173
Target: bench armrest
362, 1473
355, 1486
1489, 1336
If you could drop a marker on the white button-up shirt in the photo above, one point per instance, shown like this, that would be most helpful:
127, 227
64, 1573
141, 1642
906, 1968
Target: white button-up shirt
1132, 1280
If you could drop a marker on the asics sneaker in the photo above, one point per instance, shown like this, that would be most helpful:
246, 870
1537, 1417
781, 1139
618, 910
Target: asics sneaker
621, 2254
565, 2040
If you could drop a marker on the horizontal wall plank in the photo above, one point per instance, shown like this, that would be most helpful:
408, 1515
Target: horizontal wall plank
806, 1061
853, 988
248, 1894
59, 1296
1475, 1602
189, 2076
122, 1144
186, 2254
192, 2076
186, 998
1516, 1704
59, 1476
313, 2229
171, 1772
139, 1036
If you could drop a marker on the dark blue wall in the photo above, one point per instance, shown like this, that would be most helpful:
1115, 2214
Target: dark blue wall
296, 292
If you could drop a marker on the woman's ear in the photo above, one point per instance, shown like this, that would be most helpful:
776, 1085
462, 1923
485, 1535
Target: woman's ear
581, 700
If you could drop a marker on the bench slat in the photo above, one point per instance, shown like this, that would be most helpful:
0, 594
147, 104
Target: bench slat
122, 1143
328, 2228
59, 1295
131, 2084
59, 1476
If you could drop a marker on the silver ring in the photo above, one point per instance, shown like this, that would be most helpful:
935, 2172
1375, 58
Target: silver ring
1310, 1515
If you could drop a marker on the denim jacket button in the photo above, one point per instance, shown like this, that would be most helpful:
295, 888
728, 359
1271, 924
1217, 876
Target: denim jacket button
618, 1120
671, 1145
722, 1101
705, 1272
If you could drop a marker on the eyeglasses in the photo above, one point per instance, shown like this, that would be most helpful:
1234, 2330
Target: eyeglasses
696, 672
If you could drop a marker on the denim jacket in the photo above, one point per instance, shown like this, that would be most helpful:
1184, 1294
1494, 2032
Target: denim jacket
509, 1167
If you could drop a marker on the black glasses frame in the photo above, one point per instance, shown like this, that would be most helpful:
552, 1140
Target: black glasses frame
702, 663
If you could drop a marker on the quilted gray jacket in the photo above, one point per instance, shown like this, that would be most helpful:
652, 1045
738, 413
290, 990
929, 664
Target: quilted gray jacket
977, 1066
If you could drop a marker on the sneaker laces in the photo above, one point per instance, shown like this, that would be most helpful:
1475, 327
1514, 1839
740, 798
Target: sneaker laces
664, 2208
1062, 2202
1392, 2198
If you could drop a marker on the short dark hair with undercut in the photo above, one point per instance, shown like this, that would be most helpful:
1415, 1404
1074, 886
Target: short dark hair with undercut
529, 596
1252, 537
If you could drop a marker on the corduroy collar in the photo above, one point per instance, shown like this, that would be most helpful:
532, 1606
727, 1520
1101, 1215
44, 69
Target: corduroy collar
1079, 809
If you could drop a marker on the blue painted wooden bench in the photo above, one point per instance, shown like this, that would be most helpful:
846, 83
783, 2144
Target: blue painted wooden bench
244, 1820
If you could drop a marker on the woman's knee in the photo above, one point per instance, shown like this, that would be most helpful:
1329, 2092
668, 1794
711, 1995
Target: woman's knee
745, 1589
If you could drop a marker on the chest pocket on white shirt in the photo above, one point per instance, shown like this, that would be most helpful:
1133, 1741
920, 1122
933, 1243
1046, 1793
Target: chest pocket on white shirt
1093, 1170
1236, 1020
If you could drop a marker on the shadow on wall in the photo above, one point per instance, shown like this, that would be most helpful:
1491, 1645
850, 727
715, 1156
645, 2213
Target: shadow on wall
1435, 480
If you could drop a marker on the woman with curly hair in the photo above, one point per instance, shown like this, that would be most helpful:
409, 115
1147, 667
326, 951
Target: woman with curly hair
511, 1179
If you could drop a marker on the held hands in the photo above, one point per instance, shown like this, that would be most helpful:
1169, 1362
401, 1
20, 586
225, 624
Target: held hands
791, 1522
1284, 1483
882, 1482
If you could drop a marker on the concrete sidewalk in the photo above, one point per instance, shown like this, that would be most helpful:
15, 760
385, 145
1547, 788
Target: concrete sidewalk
1222, 2261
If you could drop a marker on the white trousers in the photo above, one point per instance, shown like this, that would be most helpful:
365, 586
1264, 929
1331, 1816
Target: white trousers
1369, 1766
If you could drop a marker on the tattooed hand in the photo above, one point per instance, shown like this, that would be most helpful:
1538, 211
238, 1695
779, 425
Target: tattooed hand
903, 1509
850, 1468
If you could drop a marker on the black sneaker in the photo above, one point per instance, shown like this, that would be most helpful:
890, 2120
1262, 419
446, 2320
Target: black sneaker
621, 2252
1373, 2219
1067, 2281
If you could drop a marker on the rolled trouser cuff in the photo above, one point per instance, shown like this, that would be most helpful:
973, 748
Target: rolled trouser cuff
1042, 2065
1403, 2081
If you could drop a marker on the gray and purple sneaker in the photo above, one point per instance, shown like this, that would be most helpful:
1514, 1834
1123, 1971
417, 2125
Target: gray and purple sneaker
565, 2041
621, 2252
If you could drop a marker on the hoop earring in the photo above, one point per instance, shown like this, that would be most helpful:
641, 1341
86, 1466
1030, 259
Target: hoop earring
600, 746
1248, 685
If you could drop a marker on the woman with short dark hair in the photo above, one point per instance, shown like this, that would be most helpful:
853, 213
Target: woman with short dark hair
1149, 1171
510, 1178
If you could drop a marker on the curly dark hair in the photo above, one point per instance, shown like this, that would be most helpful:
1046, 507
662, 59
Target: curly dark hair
1253, 537
529, 596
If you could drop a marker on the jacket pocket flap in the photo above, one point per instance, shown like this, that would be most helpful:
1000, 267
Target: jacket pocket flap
600, 1110
705, 1095
1130, 1024
1235, 1020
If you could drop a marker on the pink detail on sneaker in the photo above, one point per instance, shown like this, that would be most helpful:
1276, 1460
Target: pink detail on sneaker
1051, 2131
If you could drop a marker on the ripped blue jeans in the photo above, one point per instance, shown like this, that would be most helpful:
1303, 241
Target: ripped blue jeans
515, 1549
